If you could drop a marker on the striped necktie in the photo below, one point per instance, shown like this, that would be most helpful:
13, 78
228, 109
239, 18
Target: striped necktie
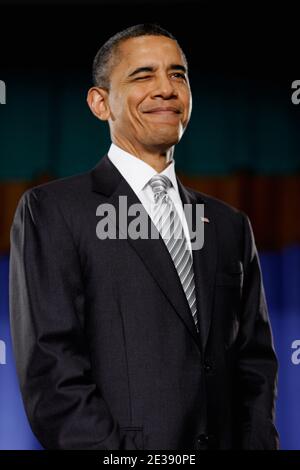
168, 223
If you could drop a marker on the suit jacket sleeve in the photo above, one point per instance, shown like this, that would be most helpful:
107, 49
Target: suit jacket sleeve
257, 362
63, 405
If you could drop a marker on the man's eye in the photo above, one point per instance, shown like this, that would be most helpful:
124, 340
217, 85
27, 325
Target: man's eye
141, 78
180, 75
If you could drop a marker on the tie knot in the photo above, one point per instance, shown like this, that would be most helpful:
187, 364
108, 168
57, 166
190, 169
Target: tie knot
160, 184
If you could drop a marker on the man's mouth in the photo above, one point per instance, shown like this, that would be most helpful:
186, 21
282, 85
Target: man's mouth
164, 109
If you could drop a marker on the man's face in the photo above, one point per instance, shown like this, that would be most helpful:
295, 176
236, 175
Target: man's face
149, 99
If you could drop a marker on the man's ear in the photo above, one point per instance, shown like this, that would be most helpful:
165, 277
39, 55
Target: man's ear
97, 99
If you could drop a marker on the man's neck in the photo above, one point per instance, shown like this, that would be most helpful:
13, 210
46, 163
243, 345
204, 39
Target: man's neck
157, 160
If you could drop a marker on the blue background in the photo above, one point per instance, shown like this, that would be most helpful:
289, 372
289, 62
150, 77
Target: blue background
281, 273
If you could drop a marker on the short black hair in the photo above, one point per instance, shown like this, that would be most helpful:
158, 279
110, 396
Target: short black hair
107, 56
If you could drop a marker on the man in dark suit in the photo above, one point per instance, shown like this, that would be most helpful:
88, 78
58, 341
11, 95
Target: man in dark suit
125, 342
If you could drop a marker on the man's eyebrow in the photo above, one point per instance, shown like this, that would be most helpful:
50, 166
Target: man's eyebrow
150, 68
141, 69
178, 67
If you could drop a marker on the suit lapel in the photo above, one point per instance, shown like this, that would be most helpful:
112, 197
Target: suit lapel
107, 180
204, 261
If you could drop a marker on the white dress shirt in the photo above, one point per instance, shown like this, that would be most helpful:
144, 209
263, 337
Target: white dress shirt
138, 173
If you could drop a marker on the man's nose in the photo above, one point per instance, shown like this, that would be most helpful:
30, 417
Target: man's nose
164, 87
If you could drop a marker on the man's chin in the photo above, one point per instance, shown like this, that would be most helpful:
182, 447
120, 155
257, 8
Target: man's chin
161, 145
166, 140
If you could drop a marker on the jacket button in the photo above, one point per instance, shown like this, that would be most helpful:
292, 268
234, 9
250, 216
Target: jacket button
206, 440
207, 367
203, 439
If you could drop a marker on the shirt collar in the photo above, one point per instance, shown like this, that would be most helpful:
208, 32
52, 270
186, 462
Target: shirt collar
136, 172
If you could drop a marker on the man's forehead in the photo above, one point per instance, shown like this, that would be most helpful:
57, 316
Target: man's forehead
150, 48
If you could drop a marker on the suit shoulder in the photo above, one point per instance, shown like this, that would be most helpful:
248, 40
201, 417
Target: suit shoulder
65, 189
62, 185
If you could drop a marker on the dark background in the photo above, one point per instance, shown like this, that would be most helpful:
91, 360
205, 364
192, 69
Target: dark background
246, 39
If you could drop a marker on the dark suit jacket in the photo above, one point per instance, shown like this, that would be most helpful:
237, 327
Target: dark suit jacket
106, 350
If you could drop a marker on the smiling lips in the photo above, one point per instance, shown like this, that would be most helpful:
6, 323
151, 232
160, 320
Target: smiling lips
164, 110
